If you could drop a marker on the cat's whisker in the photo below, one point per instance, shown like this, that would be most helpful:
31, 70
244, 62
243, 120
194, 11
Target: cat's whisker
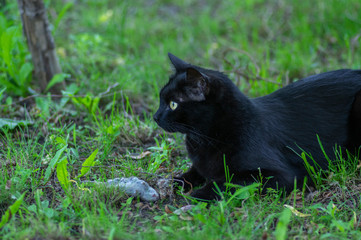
198, 137
195, 131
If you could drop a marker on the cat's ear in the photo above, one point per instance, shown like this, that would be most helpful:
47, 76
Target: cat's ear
178, 63
197, 85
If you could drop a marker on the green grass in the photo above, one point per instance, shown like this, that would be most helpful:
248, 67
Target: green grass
115, 53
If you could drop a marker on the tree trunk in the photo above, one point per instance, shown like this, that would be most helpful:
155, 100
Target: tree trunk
40, 42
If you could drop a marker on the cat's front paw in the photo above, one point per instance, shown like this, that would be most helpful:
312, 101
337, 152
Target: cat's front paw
210, 191
206, 195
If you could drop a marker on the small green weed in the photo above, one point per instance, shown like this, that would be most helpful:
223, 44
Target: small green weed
15, 70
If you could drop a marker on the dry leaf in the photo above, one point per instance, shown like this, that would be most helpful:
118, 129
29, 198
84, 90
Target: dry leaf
335, 207
186, 218
354, 219
183, 209
296, 212
140, 156
157, 230
139, 205
8, 184
237, 212
167, 210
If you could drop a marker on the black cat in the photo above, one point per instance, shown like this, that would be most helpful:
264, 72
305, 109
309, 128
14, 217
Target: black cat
261, 135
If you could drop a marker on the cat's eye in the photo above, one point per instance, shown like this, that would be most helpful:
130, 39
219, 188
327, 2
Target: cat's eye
173, 105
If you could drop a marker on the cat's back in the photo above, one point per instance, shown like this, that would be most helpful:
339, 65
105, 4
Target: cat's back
316, 105
334, 88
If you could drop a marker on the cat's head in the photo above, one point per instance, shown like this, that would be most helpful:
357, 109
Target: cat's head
185, 101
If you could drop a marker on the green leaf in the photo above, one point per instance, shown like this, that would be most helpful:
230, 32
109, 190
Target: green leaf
53, 162
94, 104
49, 212
24, 72
282, 225
9, 101
57, 78
62, 173
10, 123
68, 93
44, 105
3, 23
12, 210
61, 14
242, 192
89, 162
89, 102
32, 208
70, 90
1, 92
6, 83
7, 44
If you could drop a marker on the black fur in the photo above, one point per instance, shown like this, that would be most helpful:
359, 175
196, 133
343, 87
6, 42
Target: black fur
264, 134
